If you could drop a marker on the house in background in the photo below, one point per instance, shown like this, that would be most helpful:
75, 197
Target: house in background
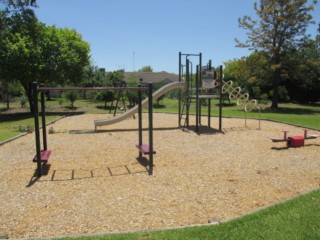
158, 78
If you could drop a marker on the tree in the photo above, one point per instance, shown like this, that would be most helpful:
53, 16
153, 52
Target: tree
146, 69
282, 25
236, 69
8, 90
318, 37
31, 51
105, 96
303, 67
18, 4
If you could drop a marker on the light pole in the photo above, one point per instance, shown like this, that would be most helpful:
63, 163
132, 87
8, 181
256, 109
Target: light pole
134, 53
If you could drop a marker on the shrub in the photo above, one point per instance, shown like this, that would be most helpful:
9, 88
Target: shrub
71, 96
61, 101
51, 130
23, 101
27, 128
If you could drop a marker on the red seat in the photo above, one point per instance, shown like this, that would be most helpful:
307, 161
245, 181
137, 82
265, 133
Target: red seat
296, 141
44, 155
144, 148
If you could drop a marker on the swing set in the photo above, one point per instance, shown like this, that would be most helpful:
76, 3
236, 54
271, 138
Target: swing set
42, 155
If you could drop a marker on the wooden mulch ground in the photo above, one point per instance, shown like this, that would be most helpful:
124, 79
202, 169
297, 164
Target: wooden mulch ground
94, 182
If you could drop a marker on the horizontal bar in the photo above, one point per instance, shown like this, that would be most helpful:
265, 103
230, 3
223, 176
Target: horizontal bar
185, 54
43, 89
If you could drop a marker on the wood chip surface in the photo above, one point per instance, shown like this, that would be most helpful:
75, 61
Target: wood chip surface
94, 182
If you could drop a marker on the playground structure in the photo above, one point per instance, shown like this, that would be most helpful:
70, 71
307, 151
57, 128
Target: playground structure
195, 92
207, 85
294, 141
42, 156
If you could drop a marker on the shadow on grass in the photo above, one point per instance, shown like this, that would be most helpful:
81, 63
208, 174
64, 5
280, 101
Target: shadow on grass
159, 106
24, 116
105, 107
72, 108
287, 110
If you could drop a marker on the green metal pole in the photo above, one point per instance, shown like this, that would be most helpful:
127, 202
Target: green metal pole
43, 116
150, 130
36, 127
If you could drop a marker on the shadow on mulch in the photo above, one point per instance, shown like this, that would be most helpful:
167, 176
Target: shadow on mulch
286, 148
71, 174
35, 178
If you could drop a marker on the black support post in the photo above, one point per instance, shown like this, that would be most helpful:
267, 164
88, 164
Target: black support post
197, 99
179, 93
200, 83
220, 100
150, 129
209, 112
36, 127
43, 117
140, 120
188, 91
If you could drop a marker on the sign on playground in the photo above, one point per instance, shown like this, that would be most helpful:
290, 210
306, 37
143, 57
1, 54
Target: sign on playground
208, 80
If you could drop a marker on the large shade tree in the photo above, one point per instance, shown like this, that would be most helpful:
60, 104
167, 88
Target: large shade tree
31, 51
281, 25
303, 67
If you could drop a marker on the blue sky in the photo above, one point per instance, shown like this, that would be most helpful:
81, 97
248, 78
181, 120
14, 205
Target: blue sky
131, 34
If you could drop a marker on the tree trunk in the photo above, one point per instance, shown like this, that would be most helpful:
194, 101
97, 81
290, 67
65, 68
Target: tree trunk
31, 103
28, 90
8, 101
275, 97
276, 81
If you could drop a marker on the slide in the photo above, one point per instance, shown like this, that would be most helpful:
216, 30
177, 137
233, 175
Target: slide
134, 110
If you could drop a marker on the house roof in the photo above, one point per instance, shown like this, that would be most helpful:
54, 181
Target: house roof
153, 77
